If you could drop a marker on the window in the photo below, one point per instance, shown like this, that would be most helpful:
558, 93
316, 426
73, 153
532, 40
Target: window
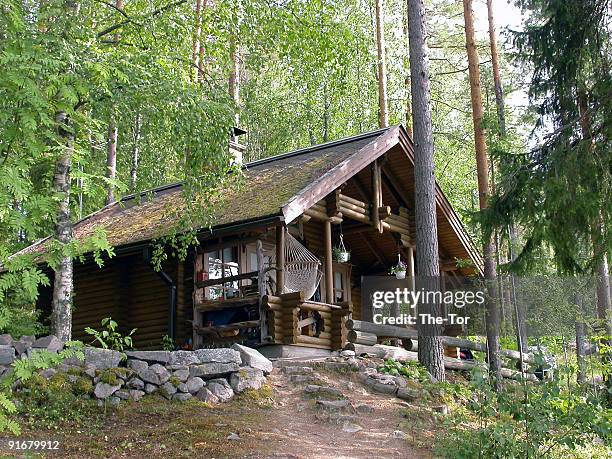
219, 264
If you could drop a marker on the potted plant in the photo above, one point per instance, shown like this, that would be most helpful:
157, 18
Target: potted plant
399, 270
341, 254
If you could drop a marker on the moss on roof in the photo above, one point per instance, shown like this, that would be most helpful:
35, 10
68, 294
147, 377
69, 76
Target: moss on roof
267, 186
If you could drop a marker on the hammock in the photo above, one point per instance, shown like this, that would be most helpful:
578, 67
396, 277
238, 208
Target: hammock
302, 271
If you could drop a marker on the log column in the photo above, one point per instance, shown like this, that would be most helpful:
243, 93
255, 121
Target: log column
329, 273
280, 259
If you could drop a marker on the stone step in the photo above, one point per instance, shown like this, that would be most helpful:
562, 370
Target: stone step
316, 390
335, 406
297, 370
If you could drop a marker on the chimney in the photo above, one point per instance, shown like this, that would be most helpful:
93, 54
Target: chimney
236, 149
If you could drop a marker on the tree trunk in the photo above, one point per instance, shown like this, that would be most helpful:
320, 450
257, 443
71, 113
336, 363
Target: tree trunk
407, 84
111, 158
482, 166
383, 112
427, 261
135, 154
499, 93
195, 49
234, 78
61, 314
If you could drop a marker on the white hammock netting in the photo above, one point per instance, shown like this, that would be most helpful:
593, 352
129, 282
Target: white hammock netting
302, 271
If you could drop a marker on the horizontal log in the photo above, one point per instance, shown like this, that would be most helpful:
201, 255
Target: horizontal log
316, 214
310, 306
303, 339
360, 217
384, 212
355, 202
358, 337
222, 328
216, 305
381, 331
224, 280
343, 205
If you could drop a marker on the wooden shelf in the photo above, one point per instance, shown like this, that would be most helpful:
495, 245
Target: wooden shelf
213, 330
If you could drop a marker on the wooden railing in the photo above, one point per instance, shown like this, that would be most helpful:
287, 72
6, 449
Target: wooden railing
294, 320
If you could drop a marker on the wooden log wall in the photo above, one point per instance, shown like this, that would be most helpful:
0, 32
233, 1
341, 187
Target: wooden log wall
129, 291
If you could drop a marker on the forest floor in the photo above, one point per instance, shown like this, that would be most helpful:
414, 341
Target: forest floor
279, 421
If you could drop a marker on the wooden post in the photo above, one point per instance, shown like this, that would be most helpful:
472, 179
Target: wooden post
329, 273
411, 267
261, 283
280, 259
376, 196
197, 297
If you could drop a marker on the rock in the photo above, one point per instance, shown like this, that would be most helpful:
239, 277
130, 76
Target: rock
102, 358
150, 388
51, 343
122, 394
21, 348
27, 339
168, 390
6, 340
333, 405
408, 394
103, 390
302, 379
137, 365
135, 383
347, 353
322, 390
150, 356
350, 427
399, 434
221, 389
297, 370
114, 401
48, 372
182, 375
247, 378
182, 387
182, 397
136, 395
194, 385
383, 388
155, 374
253, 358
207, 396
213, 369
90, 371
400, 381
183, 358
233, 437
222, 355
7, 354
364, 409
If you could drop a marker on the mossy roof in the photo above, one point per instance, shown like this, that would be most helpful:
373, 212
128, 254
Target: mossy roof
268, 186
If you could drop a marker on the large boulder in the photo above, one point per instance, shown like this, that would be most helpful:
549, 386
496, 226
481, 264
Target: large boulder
168, 390
50, 343
221, 389
252, 358
193, 385
137, 365
136, 384
183, 358
103, 390
182, 375
6, 339
102, 358
7, 354
155, 374
213, 369
247, 378
150, 356
221, 355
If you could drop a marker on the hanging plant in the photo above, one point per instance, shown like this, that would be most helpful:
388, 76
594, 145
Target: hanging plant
340, 252
399, 269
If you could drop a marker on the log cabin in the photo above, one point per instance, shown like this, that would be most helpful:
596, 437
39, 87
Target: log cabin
265, 274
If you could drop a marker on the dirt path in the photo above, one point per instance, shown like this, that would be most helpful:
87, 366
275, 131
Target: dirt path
298, 428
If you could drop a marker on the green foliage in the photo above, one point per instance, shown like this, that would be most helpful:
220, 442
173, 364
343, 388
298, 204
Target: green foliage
23, 369
549, 421
167, 343
411, 370
111, 338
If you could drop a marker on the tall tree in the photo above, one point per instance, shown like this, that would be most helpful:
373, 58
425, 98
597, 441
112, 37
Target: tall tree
61, 315
383, 110
482, 166
427, 256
